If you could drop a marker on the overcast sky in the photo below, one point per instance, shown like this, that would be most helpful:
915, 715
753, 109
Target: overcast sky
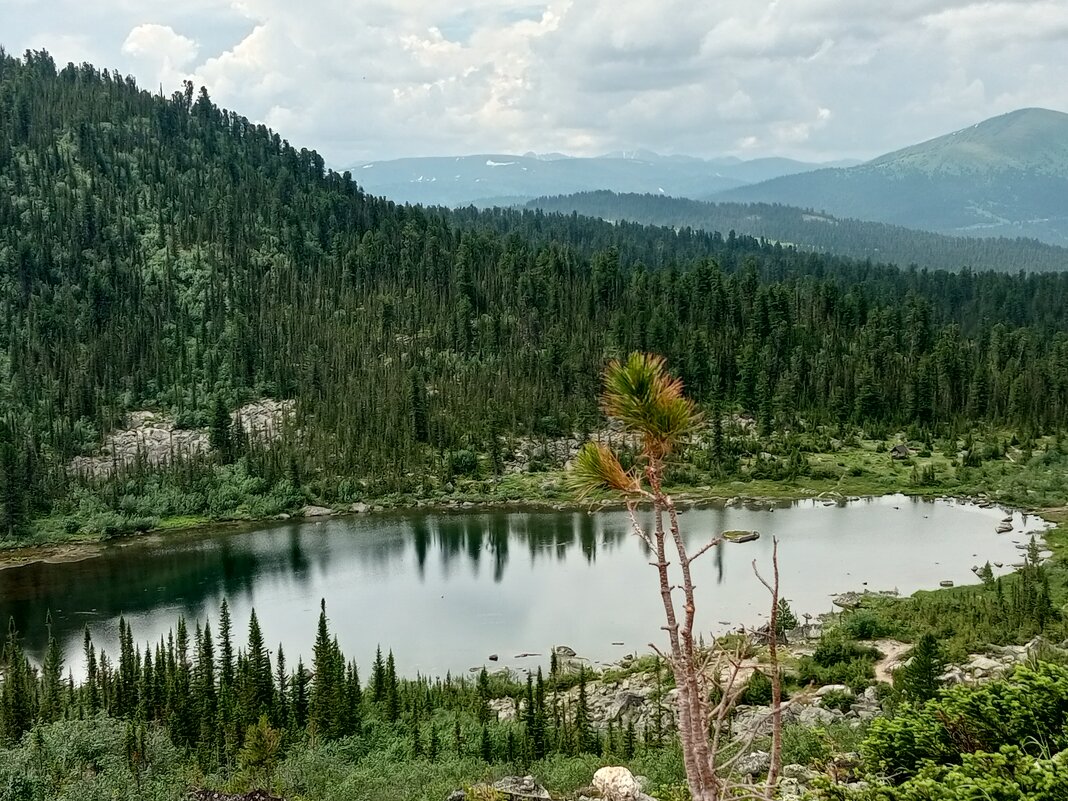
368, 79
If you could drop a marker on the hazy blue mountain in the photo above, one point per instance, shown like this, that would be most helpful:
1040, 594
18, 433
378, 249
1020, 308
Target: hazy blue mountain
1006, 176
879, 242
494, 179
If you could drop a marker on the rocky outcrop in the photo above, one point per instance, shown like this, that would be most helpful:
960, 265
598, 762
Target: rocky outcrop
154, 439
520, 787
527, 453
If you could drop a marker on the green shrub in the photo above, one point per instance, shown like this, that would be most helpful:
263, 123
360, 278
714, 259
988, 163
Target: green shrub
757, 690
1028, 709
865, 624
836, 699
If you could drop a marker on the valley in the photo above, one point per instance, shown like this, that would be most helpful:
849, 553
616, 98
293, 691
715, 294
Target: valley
327, 488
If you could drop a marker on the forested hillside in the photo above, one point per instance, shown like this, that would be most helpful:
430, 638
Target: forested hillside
163, 253
806, 229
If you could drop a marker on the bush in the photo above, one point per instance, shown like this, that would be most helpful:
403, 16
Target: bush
1028, 709
839, 660
865, 624
757, 690
836, 699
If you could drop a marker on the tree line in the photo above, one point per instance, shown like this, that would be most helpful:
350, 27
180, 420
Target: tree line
810, 229
164, 253
230, 706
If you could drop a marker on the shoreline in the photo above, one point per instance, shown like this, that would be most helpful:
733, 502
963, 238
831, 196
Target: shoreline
70, 551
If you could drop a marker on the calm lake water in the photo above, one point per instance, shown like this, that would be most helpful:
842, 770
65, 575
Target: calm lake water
446, 590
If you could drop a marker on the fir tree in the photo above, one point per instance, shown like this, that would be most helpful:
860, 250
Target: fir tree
919, 679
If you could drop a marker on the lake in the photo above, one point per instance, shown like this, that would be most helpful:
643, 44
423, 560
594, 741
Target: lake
445, 590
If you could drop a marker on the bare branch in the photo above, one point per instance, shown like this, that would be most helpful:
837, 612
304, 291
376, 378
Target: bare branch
706, 548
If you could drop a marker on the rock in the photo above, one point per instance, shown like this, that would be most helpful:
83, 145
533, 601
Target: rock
457, 795
1004, 528
756, 720
954, 675
563, 650
848, 600
155, 440
799, 773
806, 631
833, 688
624, 701
983, 666
812, 716
945, 583
316, 511
753, 764
520, 787
790, 790
504, 708
360, 508
617, 784
493, 657
740, 536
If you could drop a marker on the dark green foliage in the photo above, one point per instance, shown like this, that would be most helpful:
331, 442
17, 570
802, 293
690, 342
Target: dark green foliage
839, 660
864, 624
819, 232
171, 713
757, 690
785, 619
414, 341
918, 679
837, 699
1028, 710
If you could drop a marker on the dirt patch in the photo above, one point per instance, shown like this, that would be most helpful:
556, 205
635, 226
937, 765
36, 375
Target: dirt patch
893, 652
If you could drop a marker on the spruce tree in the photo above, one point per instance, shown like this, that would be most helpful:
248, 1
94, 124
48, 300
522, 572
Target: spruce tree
918, 679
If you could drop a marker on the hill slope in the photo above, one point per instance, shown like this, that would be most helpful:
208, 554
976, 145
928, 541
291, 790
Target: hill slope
1007, 176
165, 254
879, 242
495, 179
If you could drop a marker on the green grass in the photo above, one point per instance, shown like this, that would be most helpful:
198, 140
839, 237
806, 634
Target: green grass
834, 470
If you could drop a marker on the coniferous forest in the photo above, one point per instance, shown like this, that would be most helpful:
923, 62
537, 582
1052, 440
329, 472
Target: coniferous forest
161, 254
164, 253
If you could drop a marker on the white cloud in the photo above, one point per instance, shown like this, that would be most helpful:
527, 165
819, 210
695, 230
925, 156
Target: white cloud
811, 79
159, 48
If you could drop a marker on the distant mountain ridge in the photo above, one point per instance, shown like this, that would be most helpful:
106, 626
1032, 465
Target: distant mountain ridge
1005, 176
807, 230
504, 179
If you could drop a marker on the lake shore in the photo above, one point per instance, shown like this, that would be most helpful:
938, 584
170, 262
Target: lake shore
62, 548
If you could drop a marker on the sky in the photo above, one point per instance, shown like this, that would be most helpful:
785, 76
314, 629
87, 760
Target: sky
367, 80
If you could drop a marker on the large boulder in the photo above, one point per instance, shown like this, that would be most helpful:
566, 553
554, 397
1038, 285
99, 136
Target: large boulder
813, 716
753, 764
618, 784
316, 511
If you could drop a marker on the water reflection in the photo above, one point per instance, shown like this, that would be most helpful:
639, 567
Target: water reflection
444, 590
